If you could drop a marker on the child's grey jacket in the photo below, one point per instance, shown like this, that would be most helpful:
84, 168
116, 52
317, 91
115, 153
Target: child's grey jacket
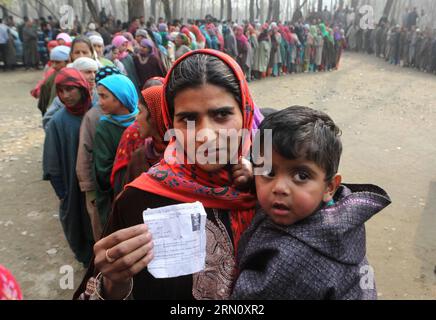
320, 257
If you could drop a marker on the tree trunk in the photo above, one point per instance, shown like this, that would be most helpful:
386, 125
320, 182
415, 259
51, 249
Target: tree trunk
5, 11
135, 8
93, 10
257, 10
167, 10
176, 11
153, 8
355, 4
319, 5
40, 8
222, 10
229, 10
202, 9
24, 8
276, 11
270, 9
251, 11
388, 7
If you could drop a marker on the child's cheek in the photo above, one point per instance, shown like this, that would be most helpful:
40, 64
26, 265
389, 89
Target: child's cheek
304, 204
262, 192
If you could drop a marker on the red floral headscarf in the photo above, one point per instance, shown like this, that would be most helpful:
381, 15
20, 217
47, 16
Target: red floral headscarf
9, 288
131, 139
187, 183
74, 78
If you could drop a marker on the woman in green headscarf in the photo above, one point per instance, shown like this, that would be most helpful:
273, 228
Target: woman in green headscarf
328, 54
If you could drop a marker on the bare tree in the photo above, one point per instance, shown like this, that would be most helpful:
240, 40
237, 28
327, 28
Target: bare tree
176, 9
252, 11
153, 8
93, 10
135, 8
229, 10
167, 9
388, 7
270, 9
276, 10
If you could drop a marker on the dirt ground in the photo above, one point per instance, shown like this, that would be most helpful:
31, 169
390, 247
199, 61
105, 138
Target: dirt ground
388, 118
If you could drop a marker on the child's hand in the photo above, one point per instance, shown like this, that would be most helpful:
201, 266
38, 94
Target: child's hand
243, 174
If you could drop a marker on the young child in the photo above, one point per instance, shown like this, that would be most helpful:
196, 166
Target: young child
308, 239
45, 91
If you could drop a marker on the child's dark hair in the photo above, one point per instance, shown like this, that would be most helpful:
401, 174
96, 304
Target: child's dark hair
200, 69
301, 132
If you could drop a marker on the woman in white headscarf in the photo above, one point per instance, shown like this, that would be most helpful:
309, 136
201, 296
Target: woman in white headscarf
98, 44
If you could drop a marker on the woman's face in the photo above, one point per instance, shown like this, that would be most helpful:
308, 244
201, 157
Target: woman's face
144, 50
123, 47
69, 95
109, 104
80, 50
90, 77
146, 128
115, 53
212, 108
99, 49
179, 41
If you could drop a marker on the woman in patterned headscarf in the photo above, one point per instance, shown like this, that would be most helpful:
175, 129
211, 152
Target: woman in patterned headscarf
142, 144
207, 87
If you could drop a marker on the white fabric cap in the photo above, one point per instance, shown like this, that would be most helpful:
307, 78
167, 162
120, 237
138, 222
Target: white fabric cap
84, 63
96, 40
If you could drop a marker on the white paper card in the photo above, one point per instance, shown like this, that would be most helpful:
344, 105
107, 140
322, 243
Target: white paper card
179, 237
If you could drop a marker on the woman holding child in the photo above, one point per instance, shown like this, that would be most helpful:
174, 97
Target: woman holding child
207, 87
305, 211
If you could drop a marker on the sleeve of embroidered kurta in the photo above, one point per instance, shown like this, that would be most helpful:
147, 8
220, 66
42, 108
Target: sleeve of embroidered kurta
52, 170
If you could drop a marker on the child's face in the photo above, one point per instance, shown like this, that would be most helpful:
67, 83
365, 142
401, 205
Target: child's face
58, 65
293, 190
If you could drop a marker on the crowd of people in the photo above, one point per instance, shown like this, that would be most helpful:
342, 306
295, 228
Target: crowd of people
410, 43
107, 99
269, 49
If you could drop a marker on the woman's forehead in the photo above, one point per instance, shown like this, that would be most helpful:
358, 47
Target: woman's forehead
204, 98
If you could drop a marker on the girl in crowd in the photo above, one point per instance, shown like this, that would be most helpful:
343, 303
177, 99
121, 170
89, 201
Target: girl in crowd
121, 43
119, 103
59, 160
147, 62
143, 142
85, 162
182, 45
